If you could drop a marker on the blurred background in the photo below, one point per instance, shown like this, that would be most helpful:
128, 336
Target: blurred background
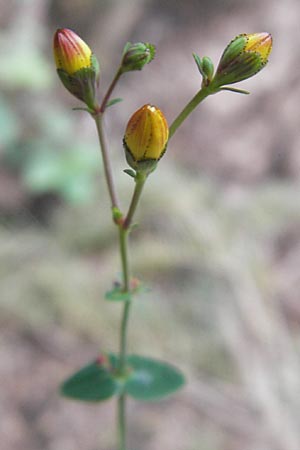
218, 242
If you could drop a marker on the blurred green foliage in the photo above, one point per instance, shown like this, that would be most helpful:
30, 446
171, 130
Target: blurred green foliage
69, 173
46, 161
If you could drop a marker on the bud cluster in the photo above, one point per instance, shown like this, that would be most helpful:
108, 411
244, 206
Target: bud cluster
78, 68
147, 132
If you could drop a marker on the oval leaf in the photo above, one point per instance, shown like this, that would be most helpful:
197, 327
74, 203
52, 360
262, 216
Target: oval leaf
92, 383
152, 379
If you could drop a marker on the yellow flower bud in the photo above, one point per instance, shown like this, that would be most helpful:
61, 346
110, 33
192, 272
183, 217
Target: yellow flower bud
71, 53
246, 55
260, 43
77, 67
146, 138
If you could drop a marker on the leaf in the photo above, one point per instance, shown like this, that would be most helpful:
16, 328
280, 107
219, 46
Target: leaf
113, 102
130, 172
92, 383
199, 63
238, 91
82, 109
152, 379
118, 295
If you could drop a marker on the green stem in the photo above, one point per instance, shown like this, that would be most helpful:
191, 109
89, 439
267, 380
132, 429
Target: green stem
123, 237
122, 421
139, 184
106, 161
126, 288
124, 230
201, 95
110, 89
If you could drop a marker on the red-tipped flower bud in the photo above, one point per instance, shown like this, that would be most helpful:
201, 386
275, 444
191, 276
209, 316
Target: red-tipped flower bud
146, 138
246, 55
76, 65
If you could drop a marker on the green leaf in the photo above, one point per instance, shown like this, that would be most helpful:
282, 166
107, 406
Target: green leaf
199, 63
130, 172
118, 295
92, 383
113, 102
82, 109
238, 91
152, 379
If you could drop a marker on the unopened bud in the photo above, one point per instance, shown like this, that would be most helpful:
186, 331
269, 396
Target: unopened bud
135, 56
207, 67
76, 65
146, 138
246, 55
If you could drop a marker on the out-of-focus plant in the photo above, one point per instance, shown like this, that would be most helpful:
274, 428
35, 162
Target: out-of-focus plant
146, 138
68, 173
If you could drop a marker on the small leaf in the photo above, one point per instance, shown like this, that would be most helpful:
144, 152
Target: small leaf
113, 102
82, 109
117, 214
236, 90
117, 294
130, 172
152, 379
199, 63
92, 383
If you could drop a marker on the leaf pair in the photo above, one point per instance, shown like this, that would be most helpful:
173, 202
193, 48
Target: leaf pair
146, 379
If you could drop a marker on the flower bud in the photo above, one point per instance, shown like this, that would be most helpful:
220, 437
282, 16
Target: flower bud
207, 67
135, 56
76, 65
246, 55
146, 138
